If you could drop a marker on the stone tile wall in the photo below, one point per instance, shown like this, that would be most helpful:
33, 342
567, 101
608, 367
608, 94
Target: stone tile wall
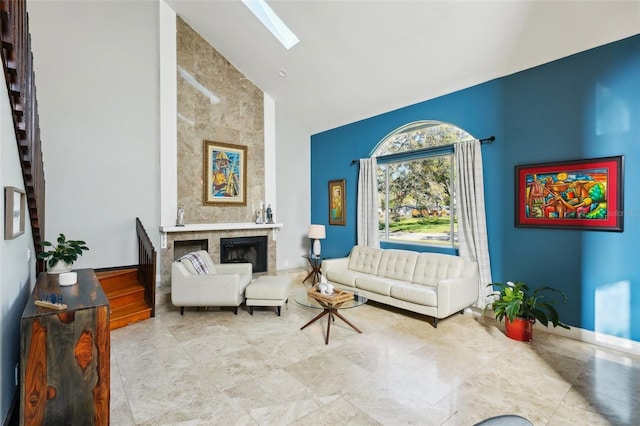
237, 118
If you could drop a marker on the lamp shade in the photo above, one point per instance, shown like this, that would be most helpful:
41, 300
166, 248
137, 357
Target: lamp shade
317, 232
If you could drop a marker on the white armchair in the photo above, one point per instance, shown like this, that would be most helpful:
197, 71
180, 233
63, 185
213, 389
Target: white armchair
223, 285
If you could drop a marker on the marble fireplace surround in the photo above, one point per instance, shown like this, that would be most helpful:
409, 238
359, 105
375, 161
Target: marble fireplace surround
212, 232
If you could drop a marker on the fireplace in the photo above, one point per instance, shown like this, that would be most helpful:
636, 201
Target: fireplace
245, 250
180, 248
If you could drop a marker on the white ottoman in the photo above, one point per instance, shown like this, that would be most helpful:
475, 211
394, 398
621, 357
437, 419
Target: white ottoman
268, 291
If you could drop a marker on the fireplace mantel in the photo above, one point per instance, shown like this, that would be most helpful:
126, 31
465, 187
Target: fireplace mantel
219, 227
211, 234
216, 227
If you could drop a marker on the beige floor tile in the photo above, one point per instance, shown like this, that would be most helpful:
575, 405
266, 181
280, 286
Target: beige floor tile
337, 412
570, 415
211, 367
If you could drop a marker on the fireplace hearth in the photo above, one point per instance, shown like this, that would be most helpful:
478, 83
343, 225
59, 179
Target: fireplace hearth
245, 250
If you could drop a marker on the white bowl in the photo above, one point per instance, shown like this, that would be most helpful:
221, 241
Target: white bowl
68, 278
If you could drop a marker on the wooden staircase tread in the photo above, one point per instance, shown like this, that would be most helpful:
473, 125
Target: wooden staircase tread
129, 314
130, 309
120, 288
125, 321
115, 273
126, 296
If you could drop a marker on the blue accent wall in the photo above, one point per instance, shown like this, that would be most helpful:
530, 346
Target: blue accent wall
583, 106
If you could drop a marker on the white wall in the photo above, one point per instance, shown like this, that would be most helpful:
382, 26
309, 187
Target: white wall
270, 159
16, 269
99, 99
97, 76
168, 114
293, 188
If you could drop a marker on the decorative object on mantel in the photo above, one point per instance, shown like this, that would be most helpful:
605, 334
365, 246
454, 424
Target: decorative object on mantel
224, 174
62, 256
317, 233
259, 215
269, 215
180, 218
226, 226
14, 212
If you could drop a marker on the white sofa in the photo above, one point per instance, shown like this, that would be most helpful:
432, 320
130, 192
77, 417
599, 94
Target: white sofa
224, 285
433, 284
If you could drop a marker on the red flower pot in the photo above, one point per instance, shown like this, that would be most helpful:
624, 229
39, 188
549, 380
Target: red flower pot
520, 329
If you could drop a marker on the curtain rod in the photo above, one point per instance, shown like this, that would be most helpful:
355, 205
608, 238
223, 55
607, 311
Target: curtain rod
485, 140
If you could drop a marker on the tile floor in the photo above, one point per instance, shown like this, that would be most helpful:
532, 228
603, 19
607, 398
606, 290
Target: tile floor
211, 367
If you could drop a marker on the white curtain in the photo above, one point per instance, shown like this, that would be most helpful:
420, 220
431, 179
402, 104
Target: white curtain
472, 225
368, 233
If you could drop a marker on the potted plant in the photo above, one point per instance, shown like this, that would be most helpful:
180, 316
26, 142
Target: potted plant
523, 307
61, 257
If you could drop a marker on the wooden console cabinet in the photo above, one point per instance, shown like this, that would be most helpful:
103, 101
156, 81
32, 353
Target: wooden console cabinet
64, 365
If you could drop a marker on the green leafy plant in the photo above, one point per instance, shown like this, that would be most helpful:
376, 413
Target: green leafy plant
66, 251
516, 300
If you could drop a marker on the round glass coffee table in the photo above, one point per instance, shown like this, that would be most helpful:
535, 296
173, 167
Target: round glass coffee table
329, 309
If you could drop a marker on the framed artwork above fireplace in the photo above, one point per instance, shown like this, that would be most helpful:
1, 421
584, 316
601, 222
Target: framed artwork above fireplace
224, 174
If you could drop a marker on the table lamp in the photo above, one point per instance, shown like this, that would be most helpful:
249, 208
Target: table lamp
317, 233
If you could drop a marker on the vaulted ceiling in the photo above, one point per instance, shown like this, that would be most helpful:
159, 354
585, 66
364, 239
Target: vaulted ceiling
357, 59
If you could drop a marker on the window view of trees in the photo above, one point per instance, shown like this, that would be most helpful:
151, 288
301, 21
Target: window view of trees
416, 173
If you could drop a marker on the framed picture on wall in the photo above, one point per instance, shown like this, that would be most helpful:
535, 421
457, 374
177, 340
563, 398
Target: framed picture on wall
578, 194
224, 174
337, 206
14, 214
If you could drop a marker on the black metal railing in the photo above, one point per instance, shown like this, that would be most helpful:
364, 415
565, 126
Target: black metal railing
146, 266
17, 61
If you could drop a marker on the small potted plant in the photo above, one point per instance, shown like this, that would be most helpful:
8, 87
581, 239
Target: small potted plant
61, 257
523, 307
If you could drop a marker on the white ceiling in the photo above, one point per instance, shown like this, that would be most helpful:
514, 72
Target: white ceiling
357, 59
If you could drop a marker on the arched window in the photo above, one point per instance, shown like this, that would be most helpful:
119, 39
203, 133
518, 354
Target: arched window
416, 172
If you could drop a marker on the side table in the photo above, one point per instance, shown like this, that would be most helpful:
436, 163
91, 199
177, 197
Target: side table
330, 309
315, 261
65, 354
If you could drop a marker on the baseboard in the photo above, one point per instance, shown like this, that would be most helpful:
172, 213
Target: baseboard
582, 335
595, 338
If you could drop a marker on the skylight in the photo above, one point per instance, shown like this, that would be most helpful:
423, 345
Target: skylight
269, 19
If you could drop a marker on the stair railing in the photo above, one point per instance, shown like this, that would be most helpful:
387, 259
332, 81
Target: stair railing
17, 61
146, 266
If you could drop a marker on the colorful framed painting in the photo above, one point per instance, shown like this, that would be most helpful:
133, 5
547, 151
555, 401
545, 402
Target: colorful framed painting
224, 174
337, 206
580, 194
14, 212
